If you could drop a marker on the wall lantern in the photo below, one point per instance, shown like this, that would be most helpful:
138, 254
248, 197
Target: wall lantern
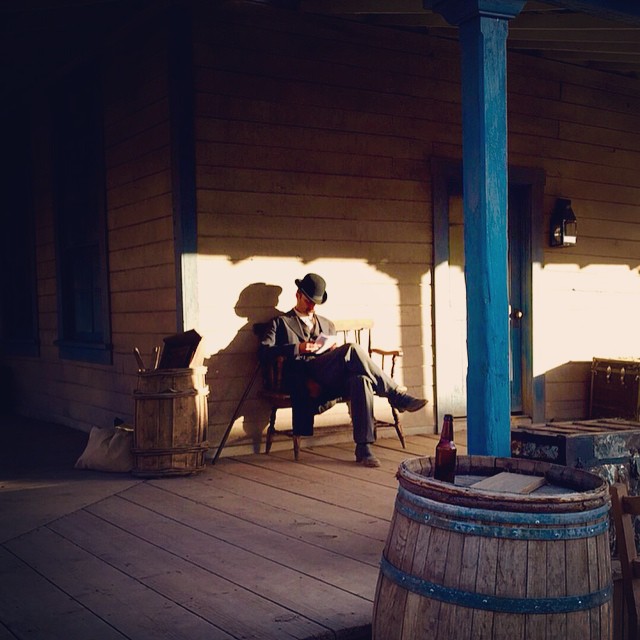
564, 227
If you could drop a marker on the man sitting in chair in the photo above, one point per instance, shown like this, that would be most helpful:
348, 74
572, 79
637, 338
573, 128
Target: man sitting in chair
316, 377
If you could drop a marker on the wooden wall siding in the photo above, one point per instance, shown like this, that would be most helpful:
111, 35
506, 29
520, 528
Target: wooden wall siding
140, 240
585, 297
311, 128
568, 391
143, 302
313, 141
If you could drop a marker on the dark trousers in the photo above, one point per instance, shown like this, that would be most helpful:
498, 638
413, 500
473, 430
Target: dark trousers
344, 372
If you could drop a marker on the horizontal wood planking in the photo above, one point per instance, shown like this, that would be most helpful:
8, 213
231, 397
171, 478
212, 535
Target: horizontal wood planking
363, 103
179, 557
283, 158
252, 227
290, 126
139, 195
329, 207
77, 393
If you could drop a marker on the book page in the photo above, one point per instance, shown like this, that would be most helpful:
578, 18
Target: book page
325, 343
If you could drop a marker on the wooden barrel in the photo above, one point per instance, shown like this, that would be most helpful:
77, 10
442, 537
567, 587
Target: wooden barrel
462, 563
171, 422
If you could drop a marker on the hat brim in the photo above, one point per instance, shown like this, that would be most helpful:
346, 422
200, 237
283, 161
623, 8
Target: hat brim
315, 299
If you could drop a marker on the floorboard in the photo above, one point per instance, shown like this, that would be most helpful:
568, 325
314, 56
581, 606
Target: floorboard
296, 520
155, 564
226, 537
36, 605
322, 485
256, 547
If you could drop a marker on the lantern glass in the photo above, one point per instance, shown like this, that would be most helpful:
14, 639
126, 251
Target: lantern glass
564, 226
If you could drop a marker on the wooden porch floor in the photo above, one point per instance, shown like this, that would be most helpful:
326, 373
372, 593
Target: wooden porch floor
254, 547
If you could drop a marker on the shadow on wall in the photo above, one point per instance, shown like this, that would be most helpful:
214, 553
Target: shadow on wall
567, 391
232, 368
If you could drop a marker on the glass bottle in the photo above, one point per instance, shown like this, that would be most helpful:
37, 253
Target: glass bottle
445, 468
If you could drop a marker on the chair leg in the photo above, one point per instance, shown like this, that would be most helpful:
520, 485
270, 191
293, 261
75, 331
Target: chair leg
296, 447
398, 427
271, 430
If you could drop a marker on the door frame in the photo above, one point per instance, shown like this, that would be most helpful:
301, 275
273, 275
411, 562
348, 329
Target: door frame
446, 176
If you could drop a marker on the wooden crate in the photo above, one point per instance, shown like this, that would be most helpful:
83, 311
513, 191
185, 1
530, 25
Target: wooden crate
585, 443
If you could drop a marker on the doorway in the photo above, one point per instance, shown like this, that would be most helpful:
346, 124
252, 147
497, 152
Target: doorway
524, 212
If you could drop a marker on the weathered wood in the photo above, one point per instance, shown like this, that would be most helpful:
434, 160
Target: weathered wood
92, 590
483, 53
529, 572
171, 420
510, 483
144, 553
320, 482
197, 589
227, 556
320, 549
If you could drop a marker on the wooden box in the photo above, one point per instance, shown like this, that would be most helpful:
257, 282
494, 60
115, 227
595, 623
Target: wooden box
614, 389
585, 444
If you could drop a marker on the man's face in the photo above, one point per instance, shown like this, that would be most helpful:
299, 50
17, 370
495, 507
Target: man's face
304, 305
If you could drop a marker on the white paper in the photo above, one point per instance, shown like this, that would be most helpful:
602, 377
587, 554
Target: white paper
325, 342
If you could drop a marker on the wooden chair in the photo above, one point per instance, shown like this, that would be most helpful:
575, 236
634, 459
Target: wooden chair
623, 508
357, 331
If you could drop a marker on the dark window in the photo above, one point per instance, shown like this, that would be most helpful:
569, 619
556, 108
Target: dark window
18, 316
78, 159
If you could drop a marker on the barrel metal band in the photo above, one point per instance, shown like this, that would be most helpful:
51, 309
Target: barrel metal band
508, 532
451, 595
469, 520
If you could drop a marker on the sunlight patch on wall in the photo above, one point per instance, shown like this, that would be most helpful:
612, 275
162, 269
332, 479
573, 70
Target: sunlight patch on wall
582, 313
233, 295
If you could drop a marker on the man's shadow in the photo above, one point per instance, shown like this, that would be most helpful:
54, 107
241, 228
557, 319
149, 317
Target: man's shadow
232, 369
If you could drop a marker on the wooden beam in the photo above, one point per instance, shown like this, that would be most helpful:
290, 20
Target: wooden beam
627, 11
483, 43
622, 50
427, 20
565, 21
483, 38
361, 6
556, 39
576, 56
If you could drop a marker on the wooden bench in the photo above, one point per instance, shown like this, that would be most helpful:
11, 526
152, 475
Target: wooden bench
353, 330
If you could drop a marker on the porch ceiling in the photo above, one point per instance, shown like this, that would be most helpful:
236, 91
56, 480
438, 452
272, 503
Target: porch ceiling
38, 36
583, 33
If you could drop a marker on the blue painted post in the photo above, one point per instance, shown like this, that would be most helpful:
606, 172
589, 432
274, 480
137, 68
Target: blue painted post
483, 34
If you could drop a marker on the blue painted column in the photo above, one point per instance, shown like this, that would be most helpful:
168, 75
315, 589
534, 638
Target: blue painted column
483, 31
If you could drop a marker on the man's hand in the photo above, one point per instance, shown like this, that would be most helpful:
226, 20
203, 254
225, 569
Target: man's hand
308, 347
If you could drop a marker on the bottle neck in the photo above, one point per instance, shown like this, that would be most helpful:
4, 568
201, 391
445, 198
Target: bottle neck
447, 428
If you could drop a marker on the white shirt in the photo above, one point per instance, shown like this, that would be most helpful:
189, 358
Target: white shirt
308, 320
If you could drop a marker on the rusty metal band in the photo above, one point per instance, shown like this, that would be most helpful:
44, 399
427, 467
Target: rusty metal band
502, 524
472, 600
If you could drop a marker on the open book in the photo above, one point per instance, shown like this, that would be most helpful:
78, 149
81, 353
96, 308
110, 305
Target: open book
325, 343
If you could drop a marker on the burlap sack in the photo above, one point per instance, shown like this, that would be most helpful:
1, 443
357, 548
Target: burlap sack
108, 449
